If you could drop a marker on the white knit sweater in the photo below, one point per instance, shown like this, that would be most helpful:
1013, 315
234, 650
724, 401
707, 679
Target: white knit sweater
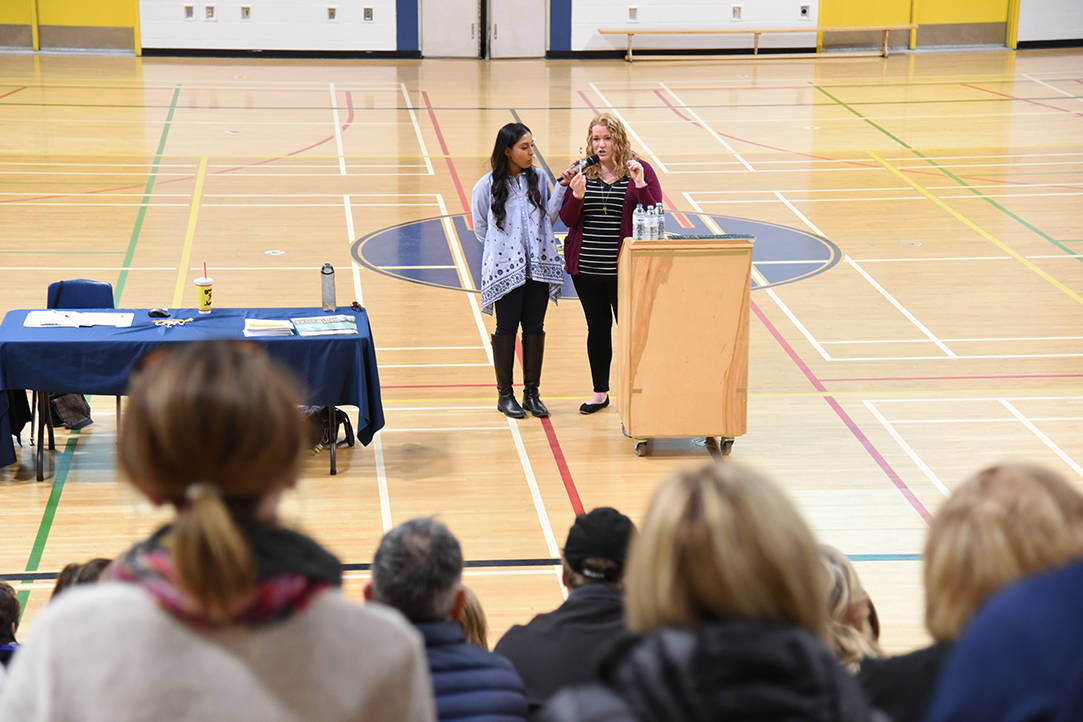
108, 653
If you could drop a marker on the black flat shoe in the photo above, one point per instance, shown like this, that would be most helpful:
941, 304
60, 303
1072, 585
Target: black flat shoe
591, 408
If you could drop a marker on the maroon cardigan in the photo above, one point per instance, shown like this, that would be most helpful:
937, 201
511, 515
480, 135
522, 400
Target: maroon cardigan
571, 212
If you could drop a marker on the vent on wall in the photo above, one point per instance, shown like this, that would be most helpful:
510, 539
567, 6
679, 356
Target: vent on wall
189, 12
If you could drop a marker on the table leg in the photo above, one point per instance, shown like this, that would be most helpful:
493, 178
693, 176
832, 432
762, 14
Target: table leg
883, 44
332, 424
755, 43
39, 451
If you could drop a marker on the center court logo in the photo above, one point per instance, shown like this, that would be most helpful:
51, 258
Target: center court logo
443, 251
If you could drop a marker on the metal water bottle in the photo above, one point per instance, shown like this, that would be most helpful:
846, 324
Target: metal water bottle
327, 278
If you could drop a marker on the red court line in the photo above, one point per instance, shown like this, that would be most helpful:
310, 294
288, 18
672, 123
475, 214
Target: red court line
905, 490
12, 92
451, 165
1016, 97
955, 378
547, 424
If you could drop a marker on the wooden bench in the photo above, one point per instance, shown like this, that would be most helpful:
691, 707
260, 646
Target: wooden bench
756, 33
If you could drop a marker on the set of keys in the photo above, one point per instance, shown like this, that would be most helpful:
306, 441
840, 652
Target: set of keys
171, 322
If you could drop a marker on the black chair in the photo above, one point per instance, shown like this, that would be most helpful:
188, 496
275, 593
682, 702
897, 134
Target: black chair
74, 294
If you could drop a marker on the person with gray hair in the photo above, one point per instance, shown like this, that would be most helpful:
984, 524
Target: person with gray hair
418, 570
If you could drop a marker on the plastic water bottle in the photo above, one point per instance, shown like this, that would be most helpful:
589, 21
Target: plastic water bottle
639, 223
661, 222
653, 223
327, 278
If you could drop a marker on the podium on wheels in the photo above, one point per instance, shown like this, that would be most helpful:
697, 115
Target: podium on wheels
682, 349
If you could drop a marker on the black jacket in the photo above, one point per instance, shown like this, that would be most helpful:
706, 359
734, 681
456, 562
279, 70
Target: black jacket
736, 670
902, 686
563, 647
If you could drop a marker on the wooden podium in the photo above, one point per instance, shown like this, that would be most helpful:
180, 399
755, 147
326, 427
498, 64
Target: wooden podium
682, 349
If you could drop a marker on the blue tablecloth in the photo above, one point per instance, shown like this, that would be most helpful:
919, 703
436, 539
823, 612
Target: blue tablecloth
338, 370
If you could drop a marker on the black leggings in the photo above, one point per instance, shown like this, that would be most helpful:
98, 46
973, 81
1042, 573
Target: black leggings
598, 294
524, 305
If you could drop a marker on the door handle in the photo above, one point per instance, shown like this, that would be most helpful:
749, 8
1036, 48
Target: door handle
495, 34
471, 31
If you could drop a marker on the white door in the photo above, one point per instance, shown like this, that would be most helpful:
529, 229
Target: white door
516, 28
450, 28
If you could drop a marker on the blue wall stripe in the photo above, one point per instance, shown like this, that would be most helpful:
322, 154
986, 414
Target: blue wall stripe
560, 24
406, 25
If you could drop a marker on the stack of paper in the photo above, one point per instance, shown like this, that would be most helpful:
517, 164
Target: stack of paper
267, 327
339, 325
74, 319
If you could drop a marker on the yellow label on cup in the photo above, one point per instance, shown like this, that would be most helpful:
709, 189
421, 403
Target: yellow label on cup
203, 294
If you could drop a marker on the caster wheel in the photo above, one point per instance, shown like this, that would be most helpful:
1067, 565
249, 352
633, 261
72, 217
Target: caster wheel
641, 448
727, 445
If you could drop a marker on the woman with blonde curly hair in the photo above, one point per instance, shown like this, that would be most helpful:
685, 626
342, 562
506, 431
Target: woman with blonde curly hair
598, 213
723, 591
1005, 522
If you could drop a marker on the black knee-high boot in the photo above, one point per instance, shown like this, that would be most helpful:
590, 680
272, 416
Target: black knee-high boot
533, 351
503, 361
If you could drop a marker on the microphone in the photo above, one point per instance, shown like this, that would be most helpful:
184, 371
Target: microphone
587, 162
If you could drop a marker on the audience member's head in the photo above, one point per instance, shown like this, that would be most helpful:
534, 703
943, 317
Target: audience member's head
214, 429
597, 547
472, 620
9, 613
723, 541
855, 627
1005, 522
75, 573
418, 570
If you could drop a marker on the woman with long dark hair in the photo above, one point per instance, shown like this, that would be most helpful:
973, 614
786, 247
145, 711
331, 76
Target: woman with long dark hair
520, 267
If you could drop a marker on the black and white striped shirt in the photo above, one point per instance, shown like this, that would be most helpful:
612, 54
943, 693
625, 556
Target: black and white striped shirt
603, 206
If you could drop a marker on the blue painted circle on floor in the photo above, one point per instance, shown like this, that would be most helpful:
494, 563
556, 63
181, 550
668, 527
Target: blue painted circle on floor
434, 251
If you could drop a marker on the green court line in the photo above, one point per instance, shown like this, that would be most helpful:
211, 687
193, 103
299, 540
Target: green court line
62, 467
123, 277
954, 177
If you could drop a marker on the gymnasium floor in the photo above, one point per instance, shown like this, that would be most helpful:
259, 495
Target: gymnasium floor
916, 315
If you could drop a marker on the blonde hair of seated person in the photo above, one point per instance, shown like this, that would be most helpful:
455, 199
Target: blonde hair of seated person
472, 619
723, 541
1005, 522
855, 625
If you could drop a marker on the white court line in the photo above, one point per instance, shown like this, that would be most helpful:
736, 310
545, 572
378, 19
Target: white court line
908, 449
958, 356
1010, 419
1042, 437
98, 205
264, 205
426, 366
1052, 87
998, 399
428, 348
464, 274
399, 429
938, 258
762, 281
338, 130
438, 408
706, 126
902, 309
722, 202
962, 340
417, 129
415, 268
524, 460
627, 125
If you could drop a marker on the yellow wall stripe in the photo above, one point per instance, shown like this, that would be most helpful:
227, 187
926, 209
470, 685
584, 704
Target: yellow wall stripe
982, 232
190, 234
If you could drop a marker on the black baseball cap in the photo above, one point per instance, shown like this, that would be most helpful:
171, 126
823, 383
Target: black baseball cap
602, 533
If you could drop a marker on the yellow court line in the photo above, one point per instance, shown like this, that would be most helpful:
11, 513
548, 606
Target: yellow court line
982, 232
189, 235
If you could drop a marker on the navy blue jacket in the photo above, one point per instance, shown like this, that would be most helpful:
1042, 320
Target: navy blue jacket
470, 683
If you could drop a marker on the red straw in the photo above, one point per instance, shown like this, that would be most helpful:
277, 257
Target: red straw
204, 269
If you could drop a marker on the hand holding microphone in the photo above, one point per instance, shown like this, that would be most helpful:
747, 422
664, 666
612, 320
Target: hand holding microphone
578, 167
587, 162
